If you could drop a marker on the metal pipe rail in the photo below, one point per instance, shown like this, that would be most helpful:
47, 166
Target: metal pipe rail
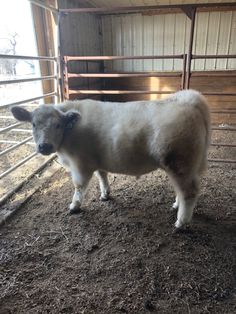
10, 127
14, 142
7, 117
30, 176
213, 56
115, 75
223, 144
218, 94
20, 57
117, 92
20, 163
8, 150
67, 75
217, 128
42, 78
28, 100
112, 58
14, 126
231, 161
229, 73
21, 130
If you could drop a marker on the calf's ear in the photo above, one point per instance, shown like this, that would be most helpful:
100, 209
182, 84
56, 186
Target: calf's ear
71, 118
21, 114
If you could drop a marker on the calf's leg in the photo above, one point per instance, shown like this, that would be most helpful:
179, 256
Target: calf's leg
81, 181
187, 189
104, 185
176, 203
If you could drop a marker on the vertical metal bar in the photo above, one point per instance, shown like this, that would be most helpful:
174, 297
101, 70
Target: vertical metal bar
66, 81
103, 81
184, 71
87, 71
190, 49
60, 59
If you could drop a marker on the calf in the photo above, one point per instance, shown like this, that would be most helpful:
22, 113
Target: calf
131, 138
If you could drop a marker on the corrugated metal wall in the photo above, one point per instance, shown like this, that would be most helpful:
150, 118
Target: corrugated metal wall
137, 34
81, 35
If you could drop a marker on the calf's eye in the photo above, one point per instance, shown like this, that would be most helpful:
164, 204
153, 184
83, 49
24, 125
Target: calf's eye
58, 126
34, 125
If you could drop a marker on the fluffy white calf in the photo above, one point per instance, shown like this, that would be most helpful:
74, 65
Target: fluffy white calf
130, 138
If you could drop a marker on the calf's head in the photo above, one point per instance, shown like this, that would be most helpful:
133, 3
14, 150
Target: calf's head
49, 125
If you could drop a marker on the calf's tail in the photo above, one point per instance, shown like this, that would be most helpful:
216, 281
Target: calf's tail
205, 113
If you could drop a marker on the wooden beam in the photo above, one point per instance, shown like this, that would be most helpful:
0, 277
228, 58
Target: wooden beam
190, 49
188, 10
199, 10
41, 20
136, 9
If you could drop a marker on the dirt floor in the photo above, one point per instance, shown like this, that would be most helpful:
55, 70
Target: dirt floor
121, 256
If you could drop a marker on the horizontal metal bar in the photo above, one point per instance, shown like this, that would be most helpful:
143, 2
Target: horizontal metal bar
117, 92
20, 163
213, 56
218, 94
223, 144
8, 150
28, 80
14, 142
21, 130
222, 160
215, 128
227, 73
114, 75
7, 117
10, 127
28, 100
40, 58
146, 8
45, 6
223, 111
111, 58
16, 188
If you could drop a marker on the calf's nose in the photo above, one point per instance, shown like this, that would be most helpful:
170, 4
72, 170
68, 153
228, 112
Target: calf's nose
45, 148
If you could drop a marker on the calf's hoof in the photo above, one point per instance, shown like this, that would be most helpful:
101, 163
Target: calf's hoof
173, 208
180, 224
105, 197
74, 209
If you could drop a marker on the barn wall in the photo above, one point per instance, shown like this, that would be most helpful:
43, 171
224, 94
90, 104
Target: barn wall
80, 35
137, 34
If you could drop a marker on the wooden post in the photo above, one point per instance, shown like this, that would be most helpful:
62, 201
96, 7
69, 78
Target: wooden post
184, 72
191, 13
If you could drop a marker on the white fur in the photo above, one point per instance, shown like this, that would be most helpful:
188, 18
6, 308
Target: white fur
130, 138
135, 137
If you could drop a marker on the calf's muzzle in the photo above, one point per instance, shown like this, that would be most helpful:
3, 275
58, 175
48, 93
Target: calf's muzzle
45, 148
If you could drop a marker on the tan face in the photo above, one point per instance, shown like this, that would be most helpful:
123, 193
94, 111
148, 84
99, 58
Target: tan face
49, 125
